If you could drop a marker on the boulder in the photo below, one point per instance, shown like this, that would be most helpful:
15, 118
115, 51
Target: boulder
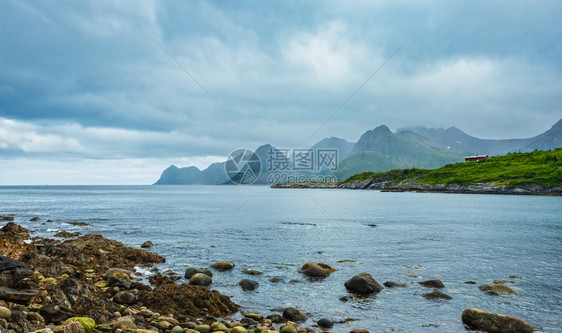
325, 323
119, 279
124, 323
87, 323
222, 265
432, 283
395, 284
494, 323
497, 289
288, 329
12, 272
293, 314
5, 313
248, 285
252, 272
436, 294
66, 234
125, 297
33, 219
55, 313
202, 328
147, 244
216, 326
21, 296
111, 271
238, 329
200, 279
194, 270
363, 284
316, 269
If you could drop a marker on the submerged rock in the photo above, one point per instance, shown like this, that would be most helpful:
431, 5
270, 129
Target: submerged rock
436, 294
147, 244
395, 284
325, 323
494, 323
316, 269
363, 284
194, 270
432, 283
222, 265
248, 285
252, 272
497, 289
293, 314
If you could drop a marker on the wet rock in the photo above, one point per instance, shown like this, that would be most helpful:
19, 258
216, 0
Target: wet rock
252, 272
5, 313
276, 279
55, 313
22, 296
436, 294
363, 284
120, 279
125, 323
412, 275
222, 265
497, 289
159, 280
254, 316
238, 329
494, 323
170, 272
216, 326
112, 271
87, 323
147, 244
432, 283
500, 281
80, 224
202, 328
275, 318
248, 285
288, 329
66, 234
359, 331
325, 323
194, 270
4, 218
515, 277
12, 272
395, 284
73, 327
200, 279
36, 218
316, 269
293, 314
124, 297
469, 282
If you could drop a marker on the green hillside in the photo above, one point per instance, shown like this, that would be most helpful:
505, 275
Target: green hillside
539, 167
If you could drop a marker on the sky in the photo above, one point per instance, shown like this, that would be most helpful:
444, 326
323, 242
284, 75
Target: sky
113, 92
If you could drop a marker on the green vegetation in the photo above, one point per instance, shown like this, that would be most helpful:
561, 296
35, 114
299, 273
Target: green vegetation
515, 169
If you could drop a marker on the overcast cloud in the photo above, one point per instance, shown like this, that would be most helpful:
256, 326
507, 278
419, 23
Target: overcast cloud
87, 95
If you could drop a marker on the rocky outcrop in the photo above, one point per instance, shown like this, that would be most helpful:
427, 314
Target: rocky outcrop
494, 323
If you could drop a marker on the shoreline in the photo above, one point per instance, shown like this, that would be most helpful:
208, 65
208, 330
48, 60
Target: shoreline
413, 186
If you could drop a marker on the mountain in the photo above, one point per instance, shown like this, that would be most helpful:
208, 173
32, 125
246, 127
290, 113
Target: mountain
454, 139
377, 150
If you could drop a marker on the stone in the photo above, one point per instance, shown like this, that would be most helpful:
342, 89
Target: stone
500, 281
170, 272
125, 297
252, 272
73, 327
363, 284
87, 323
254, 316
22, 296
395, 284
238, 329
359, 331
216, 326
55, 313
248, 285
111, 271
293, 314
325, 323
436, 294
316, 269
194, 270
5, 313
432, 283
202, 328
276, 279
36, 218
4, 218
66, 234
222, 265
177, 329
200, 279
12, 272
469, 282
515, 277
125, 323
494, 323
147, 244
288, 329
120, 279
497, 289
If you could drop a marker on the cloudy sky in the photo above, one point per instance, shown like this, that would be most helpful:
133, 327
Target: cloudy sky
112, 92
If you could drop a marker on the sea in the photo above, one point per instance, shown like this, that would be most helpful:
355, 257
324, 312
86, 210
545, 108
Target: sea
392, 236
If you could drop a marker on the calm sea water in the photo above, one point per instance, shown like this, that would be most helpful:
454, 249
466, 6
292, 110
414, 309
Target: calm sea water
453, 237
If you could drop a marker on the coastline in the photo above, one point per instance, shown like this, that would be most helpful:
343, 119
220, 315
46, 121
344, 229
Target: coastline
409, 185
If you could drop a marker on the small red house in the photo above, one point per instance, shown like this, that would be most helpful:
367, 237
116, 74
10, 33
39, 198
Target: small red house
476, 158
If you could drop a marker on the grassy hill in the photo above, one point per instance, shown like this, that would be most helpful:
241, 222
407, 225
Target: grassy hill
515, 169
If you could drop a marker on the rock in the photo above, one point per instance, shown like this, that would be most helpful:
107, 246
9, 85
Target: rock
36, 218
515, 277
202, 328
494, 323
170, 272
395, 284
4, 218
216, 326
5, 313
147, 244
500, 281
177, 329
432, 283
194, 270
66, 234
13, 230
248, 285
238, 329
125, 323
316, 269
22, 296
469, 282
223, 265
436, 294
200, 279
87, 323
497, 289
359, 331
55, 313
288, 329
293, 314
12, 272
276, 280
363, 284
252, 272
120, 279
73, 327
412, 275
111, 271
254, 316
125, 297
81, 224
325, 323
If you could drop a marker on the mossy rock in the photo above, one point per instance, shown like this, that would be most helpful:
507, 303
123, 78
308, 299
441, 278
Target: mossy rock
497, 289
87, 323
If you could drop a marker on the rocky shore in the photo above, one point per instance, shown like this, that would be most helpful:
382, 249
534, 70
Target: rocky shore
91, 284
409, 185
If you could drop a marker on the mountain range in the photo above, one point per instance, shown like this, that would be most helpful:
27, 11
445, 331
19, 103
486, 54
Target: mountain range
377, 150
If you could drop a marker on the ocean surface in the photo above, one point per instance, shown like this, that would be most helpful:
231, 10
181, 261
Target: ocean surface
452, 237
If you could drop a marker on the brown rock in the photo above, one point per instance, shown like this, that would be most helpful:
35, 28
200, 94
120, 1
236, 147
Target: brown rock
497, 289
432, 283
363, 284
316, 269
494, 323
222, 265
